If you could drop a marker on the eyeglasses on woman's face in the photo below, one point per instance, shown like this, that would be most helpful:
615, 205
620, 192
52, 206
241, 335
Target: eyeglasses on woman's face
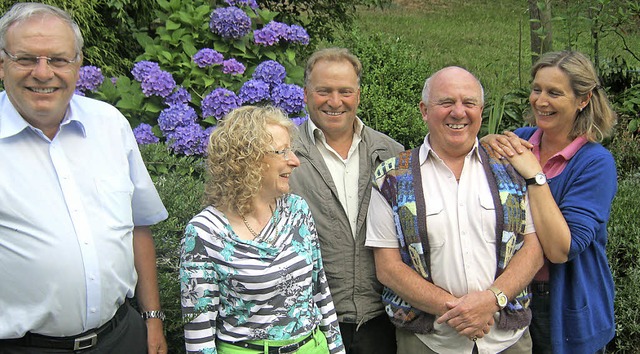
285, 153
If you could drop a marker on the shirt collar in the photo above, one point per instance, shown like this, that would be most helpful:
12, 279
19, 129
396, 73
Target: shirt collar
567, 153
426, 148
12, 123
316, 132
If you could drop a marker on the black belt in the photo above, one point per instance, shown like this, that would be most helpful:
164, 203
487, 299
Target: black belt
540, 288
81, 341
289, 348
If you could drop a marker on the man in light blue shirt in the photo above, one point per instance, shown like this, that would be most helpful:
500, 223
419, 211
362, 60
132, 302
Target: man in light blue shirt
77, 203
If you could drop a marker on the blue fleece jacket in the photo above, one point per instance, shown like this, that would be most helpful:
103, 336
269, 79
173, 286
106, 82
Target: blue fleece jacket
582, 290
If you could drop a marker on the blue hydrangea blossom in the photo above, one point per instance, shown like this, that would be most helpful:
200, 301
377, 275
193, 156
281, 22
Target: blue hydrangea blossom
144, 135
297, 34
254, 91
233, 67
271, 72
288, 97
251, 3
181, 95
89, 78
230, 22
188, 140
219, 102
159, 82
175, 116
143, 68
207, 57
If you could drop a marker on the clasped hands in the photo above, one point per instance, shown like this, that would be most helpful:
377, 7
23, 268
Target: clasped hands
471, 315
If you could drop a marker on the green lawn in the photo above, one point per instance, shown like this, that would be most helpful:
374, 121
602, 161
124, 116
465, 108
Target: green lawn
490, 38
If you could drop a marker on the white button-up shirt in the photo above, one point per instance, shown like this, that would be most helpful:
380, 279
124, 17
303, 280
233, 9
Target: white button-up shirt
67, 211
344, 172
461, 222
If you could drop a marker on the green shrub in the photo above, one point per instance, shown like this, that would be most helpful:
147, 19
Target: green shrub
624, 255
180, 184
392, 80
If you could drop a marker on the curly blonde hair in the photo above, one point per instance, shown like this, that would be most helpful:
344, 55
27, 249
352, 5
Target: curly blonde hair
235, 161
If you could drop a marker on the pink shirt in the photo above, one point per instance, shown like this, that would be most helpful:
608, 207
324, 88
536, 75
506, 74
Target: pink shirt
554, 166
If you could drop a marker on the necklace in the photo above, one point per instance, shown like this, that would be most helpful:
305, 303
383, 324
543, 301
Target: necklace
255, 234
246, 223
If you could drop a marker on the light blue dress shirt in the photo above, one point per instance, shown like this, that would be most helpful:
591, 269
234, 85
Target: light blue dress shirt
67, 211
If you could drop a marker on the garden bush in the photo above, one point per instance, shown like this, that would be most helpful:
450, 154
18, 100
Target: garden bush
202, 63
624, 257
392, 80
179, 180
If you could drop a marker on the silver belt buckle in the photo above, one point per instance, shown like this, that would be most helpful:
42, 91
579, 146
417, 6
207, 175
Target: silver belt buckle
85, 342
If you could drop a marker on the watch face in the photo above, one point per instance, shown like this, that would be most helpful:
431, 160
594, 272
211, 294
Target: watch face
502, 300
541, 179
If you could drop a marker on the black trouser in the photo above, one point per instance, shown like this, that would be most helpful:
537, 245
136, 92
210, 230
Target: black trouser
377, 336
130, 337
540, 327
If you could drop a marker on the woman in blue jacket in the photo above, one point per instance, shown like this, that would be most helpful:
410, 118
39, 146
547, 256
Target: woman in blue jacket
572, 182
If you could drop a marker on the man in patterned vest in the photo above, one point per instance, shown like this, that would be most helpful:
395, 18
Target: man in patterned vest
453, 242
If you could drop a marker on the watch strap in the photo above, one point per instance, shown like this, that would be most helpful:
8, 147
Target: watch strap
153, 314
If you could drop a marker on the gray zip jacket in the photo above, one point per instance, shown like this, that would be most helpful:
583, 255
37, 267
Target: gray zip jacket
347, 262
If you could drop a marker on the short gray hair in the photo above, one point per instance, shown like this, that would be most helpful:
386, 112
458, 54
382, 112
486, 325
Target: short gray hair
23, 11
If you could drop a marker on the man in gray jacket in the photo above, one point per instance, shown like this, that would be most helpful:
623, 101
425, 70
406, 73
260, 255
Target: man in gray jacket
338, 155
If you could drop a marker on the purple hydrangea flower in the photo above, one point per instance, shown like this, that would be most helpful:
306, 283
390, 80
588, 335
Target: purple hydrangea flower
188, 140
281, 29
114, 80
230, 22
233, 67
219, 102
175, 116
90, 78
144, 134
253, 91
288, 97
299, 120
251, 3
207, 57
265, 37
158, 82
181, 95
271, 72
78, 92
143, 68
205, 141
297, 34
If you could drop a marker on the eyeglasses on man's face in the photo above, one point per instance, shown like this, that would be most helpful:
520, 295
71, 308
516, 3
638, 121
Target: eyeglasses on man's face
285, 153
29, 62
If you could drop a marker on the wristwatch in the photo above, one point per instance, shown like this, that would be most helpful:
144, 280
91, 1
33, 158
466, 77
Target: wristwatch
539, 179
153, 314
500, 297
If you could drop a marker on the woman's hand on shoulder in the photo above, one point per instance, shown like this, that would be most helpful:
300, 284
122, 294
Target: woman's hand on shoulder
507, 144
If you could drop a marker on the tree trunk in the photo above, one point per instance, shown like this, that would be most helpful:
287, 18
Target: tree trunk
540, 26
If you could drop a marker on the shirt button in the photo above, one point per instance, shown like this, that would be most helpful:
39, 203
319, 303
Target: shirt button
93, 310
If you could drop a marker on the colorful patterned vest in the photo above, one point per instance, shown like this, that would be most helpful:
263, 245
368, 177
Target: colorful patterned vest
395, 179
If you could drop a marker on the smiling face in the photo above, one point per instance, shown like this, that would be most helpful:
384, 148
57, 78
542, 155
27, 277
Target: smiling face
554, 105
41, 95
453, 112
275, 177
332, 96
